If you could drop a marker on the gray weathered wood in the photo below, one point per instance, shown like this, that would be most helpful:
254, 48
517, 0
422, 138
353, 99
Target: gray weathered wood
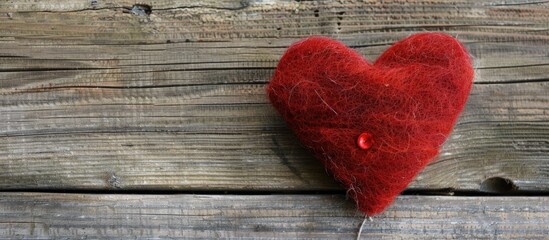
95, 98
39, 215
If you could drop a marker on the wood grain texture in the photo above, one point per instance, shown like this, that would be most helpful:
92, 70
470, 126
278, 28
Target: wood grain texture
40, 216
93, 97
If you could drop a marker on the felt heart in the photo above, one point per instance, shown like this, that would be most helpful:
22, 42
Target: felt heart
373, 126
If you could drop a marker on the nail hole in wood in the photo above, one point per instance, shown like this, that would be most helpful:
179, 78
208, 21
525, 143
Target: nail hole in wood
141, 9
498, 185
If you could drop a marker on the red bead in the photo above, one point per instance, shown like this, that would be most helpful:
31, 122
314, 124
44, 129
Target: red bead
365, 141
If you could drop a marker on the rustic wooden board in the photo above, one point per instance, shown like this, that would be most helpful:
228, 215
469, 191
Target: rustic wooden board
92, 97
39, 215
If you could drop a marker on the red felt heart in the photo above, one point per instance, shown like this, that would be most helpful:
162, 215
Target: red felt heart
373, 126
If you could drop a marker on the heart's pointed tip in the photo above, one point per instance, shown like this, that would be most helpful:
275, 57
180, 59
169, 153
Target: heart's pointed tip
374, 210
374, 204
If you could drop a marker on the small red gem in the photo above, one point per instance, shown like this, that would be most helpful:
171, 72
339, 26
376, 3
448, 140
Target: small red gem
365, 141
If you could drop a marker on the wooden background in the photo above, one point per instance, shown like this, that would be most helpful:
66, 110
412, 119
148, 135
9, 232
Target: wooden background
120, 122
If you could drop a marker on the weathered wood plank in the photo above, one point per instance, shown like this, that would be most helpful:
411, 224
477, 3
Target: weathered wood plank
95, 98
39, 215
230, 138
